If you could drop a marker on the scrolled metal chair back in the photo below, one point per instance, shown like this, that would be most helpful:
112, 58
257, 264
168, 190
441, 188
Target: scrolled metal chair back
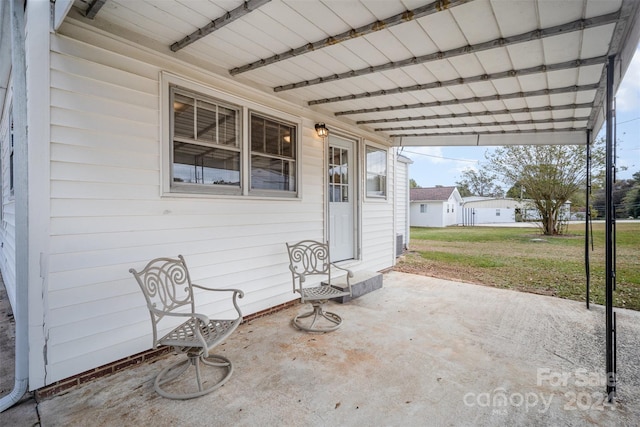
309, 257
166, 286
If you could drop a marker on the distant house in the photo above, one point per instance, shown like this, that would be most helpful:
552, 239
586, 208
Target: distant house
489, 210
494, 210
435, 207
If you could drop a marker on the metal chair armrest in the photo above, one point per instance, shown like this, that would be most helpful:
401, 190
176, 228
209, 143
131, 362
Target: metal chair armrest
297, 275
349, 274
237, 293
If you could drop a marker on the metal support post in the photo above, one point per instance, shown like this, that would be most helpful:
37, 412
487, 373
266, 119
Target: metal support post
587, 217
609, 239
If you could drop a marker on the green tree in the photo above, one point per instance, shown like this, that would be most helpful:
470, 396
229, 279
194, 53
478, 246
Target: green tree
413, 184
621, 196
479, 183
631, 199
516, 191
549, 174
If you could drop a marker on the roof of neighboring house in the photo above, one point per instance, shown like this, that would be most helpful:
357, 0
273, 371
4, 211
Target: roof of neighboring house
431, 194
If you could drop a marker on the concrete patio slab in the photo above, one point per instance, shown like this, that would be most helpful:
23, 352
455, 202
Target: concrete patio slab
419, 351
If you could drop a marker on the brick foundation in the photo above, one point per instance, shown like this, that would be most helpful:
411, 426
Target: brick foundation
145, 356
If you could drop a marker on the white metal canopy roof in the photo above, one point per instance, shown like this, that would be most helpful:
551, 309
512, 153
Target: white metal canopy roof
419, 72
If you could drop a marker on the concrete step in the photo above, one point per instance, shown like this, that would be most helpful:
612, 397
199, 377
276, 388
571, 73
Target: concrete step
362, 283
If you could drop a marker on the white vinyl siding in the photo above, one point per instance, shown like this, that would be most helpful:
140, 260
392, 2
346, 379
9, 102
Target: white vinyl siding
378, 233
7, 225
427, 214
401, 185
110, 210
107, 214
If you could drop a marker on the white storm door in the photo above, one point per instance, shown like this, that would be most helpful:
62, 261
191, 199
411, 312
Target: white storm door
341, 199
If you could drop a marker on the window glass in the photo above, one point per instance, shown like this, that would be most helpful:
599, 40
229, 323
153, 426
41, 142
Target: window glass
273, 154
376, 160
197, 164
338, 175
212, 149
205, 143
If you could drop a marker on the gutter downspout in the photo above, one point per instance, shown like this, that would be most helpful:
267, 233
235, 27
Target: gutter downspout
19, 76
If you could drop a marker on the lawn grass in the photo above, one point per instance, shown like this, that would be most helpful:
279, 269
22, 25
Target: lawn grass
523, 259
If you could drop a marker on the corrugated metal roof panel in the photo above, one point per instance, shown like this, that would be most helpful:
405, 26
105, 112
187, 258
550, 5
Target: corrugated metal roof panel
270, 47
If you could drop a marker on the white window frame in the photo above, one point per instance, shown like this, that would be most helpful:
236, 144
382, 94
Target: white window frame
423, 208
247, 107
385, 186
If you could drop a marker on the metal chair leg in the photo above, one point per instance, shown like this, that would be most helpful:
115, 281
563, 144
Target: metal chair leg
173, 374
318, 312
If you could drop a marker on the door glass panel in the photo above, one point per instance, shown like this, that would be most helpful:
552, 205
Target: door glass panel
338, 175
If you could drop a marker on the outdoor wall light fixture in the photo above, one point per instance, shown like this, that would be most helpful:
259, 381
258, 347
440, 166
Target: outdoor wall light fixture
322, 130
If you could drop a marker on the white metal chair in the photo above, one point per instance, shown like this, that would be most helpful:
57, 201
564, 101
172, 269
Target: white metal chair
311, 258
169, 292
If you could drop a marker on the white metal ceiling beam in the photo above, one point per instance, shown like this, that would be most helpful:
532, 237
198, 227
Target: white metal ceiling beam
579, 25
94, 8
559, 137
474, 79
60, 10
408, 15
479, 114
245, 8
625, 36
497, 97
485, 124
489, 132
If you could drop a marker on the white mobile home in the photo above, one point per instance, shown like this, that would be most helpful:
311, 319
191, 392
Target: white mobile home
495, 210
489, 210
131, 130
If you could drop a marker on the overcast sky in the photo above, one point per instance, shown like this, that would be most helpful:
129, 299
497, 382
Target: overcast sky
443, 165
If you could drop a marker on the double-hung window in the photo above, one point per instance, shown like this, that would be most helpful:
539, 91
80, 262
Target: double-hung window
273, 155
206, 144
224, 145
376, 164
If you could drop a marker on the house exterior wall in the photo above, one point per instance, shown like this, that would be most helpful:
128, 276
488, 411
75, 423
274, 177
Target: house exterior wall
108, 213
402, 200
378, 231
8, 221
493, 203
438, 214
494, 215
492, 211
433, 217
450, 211
20, 249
